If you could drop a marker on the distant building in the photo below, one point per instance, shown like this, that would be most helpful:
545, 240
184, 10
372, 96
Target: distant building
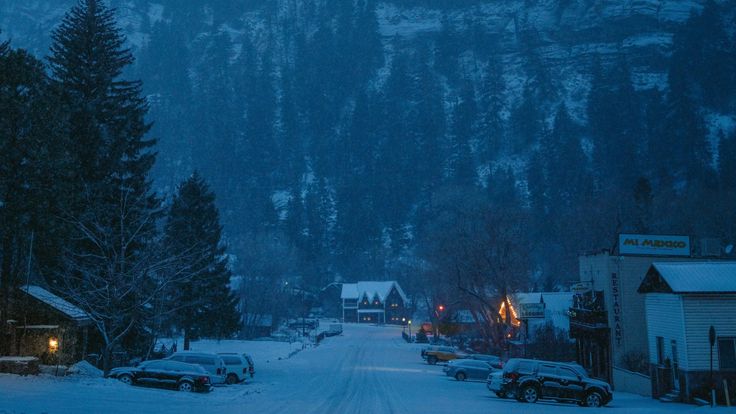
682, 302
374, 302
554, 308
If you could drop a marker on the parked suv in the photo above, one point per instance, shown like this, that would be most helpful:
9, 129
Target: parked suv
210, 362
165, 373
531, 380
238, 367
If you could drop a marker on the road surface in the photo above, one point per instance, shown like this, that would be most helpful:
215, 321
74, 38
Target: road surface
368, 369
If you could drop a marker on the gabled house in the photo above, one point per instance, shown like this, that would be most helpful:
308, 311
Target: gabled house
683, 300
374, 302
44, 318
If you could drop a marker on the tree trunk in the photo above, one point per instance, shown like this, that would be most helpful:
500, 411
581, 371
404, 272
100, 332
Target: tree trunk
107, 359
186, 339
5, 282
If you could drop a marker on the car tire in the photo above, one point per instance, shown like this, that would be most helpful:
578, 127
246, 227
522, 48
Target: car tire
529, 394
126, 379
231, 379
593, 399
460, 376
185, 386
432, 360
500, 394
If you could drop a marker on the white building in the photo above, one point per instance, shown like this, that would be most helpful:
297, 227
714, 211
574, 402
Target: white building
682, 302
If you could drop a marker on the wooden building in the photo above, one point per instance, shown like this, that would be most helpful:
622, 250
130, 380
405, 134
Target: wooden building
683, 300
374, 302
44, 321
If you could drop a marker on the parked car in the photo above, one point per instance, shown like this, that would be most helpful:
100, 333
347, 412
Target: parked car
210, 362
238, 367
531, 380
492, 359
437, 354
468, 369
165, 373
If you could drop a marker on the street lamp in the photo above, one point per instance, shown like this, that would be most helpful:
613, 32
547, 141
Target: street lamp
410, 329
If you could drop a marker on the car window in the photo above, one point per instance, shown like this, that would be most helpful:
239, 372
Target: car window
546, 369
155, 365
200, 360
525, 367
567, 372
231, 360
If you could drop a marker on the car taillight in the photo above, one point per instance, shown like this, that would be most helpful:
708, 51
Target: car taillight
511, 375
251, 369
204, 380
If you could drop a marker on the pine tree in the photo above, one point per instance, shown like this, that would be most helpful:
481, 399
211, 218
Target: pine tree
31, 171
206, 306
112, 213
464, 131
107, 113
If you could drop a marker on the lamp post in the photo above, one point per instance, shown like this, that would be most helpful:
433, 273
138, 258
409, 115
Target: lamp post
712, 339
410, 331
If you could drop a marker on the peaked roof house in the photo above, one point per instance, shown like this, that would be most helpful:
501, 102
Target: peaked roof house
683, 300
43, 318
374, 302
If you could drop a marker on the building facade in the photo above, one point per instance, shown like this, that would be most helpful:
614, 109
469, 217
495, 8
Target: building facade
682, 302
607, 319
374, 302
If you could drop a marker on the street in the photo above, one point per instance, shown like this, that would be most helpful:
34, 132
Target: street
368, 369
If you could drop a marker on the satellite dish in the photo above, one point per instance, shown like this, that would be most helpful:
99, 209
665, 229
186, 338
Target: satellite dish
728, 249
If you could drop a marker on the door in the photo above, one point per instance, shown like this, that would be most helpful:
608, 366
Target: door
675, 367
549, 381
571, 384
150, 373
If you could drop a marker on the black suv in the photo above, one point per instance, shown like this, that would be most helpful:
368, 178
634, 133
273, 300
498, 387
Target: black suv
164, 373
530, 380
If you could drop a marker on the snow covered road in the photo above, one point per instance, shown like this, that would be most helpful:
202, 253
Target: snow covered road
366, 370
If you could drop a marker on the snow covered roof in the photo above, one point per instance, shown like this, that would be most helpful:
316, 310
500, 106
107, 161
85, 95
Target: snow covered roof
690, 277
61, 305
371, 289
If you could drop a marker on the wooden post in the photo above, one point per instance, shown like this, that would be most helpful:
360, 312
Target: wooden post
725, 391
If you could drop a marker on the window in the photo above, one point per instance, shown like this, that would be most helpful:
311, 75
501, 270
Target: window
660, 350
567, 373
230, 360
545, 369
727, 354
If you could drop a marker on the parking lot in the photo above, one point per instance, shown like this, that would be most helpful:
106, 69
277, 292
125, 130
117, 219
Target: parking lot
368, 369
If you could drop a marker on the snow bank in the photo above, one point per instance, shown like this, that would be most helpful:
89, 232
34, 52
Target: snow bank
86, 369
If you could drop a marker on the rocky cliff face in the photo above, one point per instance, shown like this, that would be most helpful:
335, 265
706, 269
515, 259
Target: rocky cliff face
566, 34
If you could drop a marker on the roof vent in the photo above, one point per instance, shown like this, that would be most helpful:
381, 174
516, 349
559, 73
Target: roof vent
710, 247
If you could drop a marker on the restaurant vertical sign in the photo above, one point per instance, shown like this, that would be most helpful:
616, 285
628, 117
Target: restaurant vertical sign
618, 330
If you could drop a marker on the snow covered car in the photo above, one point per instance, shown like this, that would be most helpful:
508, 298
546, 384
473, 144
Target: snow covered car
531, 380
210, 362
465, 369
433, 355
238, 367
164, 373
492, 359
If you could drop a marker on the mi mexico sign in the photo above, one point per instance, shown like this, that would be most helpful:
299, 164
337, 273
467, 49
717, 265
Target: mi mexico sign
644, 244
